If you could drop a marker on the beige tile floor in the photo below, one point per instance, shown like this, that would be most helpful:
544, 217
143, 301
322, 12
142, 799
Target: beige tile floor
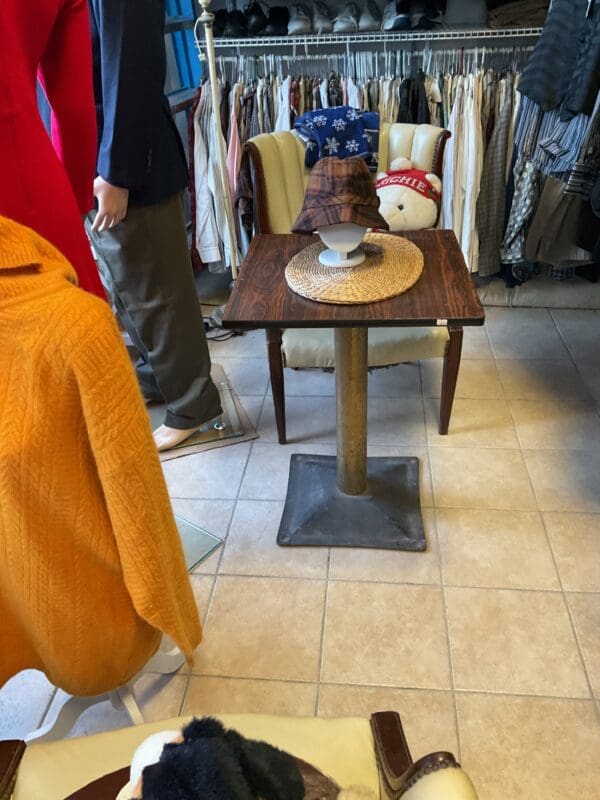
489, 643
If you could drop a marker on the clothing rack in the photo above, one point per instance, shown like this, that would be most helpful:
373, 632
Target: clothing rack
372, 64
380, 37
293, 42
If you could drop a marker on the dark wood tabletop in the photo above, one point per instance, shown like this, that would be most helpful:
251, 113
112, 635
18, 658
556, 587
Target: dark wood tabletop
261, 297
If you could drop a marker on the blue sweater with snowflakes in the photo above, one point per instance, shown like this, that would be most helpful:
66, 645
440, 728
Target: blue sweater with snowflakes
341, 131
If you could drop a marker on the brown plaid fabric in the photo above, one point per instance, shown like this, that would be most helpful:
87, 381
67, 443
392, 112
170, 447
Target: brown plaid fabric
339, 190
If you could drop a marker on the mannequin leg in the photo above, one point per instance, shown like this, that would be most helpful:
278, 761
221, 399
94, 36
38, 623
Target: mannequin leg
146, 261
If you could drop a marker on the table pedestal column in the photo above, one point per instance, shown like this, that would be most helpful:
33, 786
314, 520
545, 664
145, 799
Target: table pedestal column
351, 409
350, 500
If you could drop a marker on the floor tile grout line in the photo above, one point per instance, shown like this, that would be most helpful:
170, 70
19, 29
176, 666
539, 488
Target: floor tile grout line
448, 640
212, 589
531, 482
406, 583
222, 549
393, 687
492, 693
574, 631
543, 521
592, 399
443, 596
322, 638
440, 507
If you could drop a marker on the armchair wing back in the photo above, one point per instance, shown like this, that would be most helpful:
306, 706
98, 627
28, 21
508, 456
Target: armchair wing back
280, 177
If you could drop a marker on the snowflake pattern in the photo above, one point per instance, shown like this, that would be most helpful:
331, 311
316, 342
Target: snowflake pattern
339, 132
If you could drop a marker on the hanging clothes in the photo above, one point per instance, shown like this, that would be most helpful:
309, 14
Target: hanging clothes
206, 235
354, 95
564, 70
212, 235
234, 146
470, 100
452, 198
491, 205
283, 122
473, 165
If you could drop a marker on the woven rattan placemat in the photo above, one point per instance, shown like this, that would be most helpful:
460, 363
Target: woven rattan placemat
392, 266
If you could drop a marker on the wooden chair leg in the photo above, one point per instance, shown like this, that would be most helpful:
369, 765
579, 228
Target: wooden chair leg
450, 376
277, 383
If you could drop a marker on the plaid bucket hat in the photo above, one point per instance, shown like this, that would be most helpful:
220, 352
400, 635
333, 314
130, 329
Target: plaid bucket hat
339, 190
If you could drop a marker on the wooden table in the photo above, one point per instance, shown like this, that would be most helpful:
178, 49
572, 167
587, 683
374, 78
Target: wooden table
349, 499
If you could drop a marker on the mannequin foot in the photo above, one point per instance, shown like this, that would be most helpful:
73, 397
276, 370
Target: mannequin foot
165, 438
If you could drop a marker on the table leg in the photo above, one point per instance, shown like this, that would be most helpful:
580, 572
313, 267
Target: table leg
351, 409
351, 500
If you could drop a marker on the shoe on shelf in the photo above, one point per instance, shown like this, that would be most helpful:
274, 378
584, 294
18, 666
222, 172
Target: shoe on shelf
235, 27
219, 22
279, 16
347, 20
396, 16
425, 14
299, 23
321, 21
256, 19
370, 17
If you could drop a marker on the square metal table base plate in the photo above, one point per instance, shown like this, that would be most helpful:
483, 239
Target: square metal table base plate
317, 513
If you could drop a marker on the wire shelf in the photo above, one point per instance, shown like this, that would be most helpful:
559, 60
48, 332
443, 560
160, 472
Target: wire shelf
376, 37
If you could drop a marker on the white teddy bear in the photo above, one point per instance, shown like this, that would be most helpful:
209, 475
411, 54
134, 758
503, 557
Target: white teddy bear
409, 198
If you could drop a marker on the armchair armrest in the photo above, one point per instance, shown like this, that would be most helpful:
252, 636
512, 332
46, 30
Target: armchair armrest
391, 749
437, 776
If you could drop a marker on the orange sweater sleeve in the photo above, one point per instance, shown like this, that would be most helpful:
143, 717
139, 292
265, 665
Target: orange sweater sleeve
134, 489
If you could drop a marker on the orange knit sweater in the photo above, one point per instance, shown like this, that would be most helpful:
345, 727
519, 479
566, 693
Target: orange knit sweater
91, 564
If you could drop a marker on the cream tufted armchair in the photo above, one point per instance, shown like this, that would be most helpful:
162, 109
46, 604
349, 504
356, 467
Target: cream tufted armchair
352, 751
279, 180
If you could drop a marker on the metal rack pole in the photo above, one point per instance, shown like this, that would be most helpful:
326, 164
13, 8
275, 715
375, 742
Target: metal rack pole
206, 18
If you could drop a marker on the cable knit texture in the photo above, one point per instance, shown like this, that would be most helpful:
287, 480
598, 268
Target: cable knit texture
91, 565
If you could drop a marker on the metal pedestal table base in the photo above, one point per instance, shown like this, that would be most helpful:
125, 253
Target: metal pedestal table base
387, 516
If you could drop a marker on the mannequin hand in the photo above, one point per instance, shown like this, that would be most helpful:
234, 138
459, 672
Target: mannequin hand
112, 204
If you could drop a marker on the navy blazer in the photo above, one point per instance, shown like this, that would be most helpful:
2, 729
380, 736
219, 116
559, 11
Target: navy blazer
139, 147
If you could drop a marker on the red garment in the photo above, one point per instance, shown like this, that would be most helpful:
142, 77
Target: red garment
36, 189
